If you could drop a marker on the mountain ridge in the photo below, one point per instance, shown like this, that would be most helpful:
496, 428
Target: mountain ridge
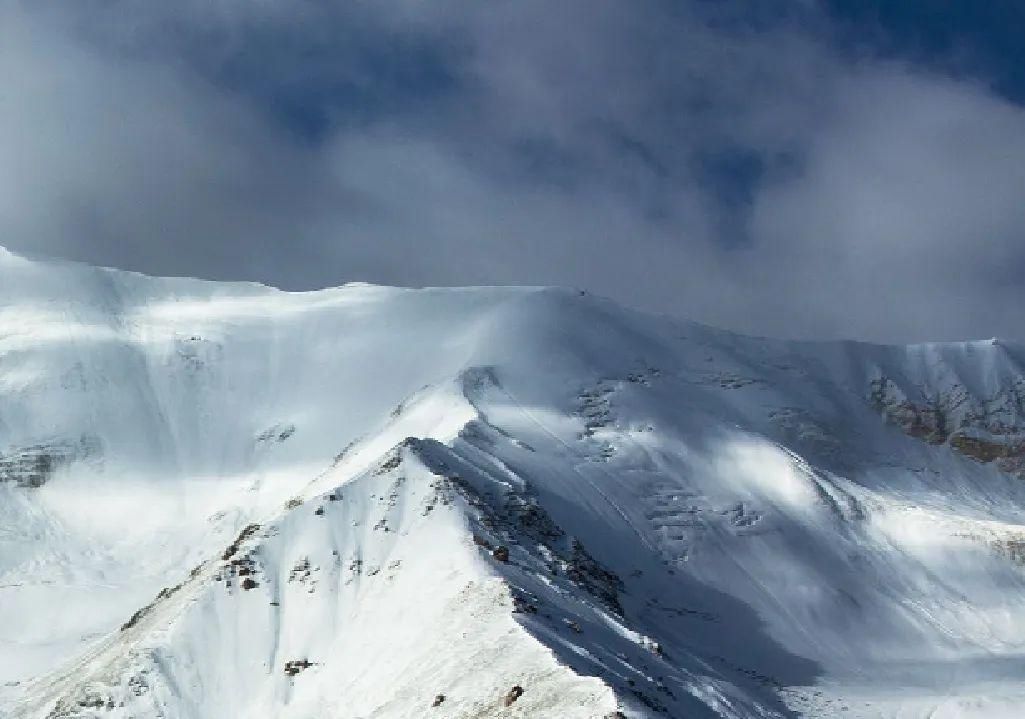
46, 260
661, 518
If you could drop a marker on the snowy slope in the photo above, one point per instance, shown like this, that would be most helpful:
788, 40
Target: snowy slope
227, 500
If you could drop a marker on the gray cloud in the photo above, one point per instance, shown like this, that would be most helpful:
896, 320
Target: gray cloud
726, 168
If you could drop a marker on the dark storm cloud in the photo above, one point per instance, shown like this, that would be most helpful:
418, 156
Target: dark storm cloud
743, 168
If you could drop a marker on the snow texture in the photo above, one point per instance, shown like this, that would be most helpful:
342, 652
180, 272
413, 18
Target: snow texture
224, 500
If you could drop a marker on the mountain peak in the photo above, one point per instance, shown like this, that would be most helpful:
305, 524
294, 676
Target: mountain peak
368, 501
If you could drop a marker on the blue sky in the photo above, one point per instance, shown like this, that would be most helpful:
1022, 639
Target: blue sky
810, 169
961, 37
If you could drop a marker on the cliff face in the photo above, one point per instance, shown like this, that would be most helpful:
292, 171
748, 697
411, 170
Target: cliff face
987, 428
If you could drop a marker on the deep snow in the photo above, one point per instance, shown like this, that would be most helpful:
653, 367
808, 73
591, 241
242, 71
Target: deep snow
609, 510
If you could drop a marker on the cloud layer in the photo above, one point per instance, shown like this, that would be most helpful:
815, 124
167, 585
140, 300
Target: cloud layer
737, 168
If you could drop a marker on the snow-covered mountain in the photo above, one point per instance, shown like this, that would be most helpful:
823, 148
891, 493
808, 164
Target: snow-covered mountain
225, 500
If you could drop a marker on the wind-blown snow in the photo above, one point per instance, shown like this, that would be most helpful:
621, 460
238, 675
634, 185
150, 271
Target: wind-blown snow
227, 500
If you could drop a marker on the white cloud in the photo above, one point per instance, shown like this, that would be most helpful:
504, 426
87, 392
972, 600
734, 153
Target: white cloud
561, 146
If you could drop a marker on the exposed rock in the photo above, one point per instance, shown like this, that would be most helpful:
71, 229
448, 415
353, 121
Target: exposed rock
244, 567
988, 430
805, 430
1015, 549
1008, 453
515, 693
438, 700
33, 466
277, 433
301, 571
595, 408
924, 420
584, 571
140, 613
245, 534
517, 518
524, 605
392, 462
295, 666
345, 453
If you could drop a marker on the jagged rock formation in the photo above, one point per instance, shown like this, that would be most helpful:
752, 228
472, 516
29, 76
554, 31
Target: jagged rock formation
33, 466
987, 429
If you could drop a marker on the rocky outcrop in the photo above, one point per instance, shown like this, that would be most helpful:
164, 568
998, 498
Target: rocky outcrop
32, 466
988, 429
513, 528
1007, 453
295, 666
926, 419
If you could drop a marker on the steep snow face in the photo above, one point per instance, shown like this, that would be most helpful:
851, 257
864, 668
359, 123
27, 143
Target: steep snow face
210, 508
143, 421
368, 600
